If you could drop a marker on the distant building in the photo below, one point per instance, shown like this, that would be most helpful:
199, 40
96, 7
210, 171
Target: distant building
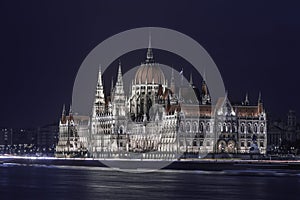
6, 136
47, 135
23, 136
284, 133
157, 120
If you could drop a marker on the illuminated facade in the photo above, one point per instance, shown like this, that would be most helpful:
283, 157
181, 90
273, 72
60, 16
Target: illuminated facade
157, 122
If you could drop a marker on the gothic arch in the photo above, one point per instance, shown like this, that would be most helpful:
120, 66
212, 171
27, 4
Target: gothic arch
181, 127
233, 127
249, 128
195, 127
231, 146
220, 127
208, 127
229, 127
243, 128
261, 128
188, 127
224, 127
201, 127
222, 146
255, 128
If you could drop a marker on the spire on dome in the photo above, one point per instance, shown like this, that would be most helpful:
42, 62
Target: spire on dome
150, 58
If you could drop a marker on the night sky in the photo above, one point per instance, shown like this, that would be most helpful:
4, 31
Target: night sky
255, 44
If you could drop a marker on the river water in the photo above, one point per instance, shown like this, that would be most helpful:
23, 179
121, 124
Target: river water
46, 182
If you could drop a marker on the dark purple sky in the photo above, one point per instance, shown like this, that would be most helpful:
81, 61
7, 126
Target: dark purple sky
255, 44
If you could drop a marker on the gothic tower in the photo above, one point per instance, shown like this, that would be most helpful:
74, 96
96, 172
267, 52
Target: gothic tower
119, 104
99, 102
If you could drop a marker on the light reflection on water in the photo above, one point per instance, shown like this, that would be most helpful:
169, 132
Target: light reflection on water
32, 182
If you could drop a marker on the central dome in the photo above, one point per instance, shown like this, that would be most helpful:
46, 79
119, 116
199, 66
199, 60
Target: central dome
148, 73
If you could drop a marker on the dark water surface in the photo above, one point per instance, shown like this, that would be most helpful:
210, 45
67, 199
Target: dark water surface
38, 182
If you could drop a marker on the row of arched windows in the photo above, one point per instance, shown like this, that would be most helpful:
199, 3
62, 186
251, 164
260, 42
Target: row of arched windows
255, 128
195, 127
223, 127
227, 127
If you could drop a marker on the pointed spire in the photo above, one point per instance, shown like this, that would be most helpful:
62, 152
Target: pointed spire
179, 94
70, 113
149, 41
172, 74
246, 102
112, 84
100, 76
63, 115
204, 90
70, 110
63, 111
259, 97
149, 51
181, 74
130, 88
119, 88
119, 79
191, 79
99, 89
259, 103
172, 86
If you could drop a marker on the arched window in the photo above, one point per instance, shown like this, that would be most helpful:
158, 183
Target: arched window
201, 127
181, 126
208, 127
249, 128
243, 128
121, 130
233, 127
220, 127
229, 128
261, 128
255, 128
194, 127
224, 127
188, 127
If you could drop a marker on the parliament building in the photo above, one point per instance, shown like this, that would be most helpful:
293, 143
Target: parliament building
157, 122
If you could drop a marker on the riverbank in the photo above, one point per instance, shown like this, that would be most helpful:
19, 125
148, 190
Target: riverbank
183, 164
